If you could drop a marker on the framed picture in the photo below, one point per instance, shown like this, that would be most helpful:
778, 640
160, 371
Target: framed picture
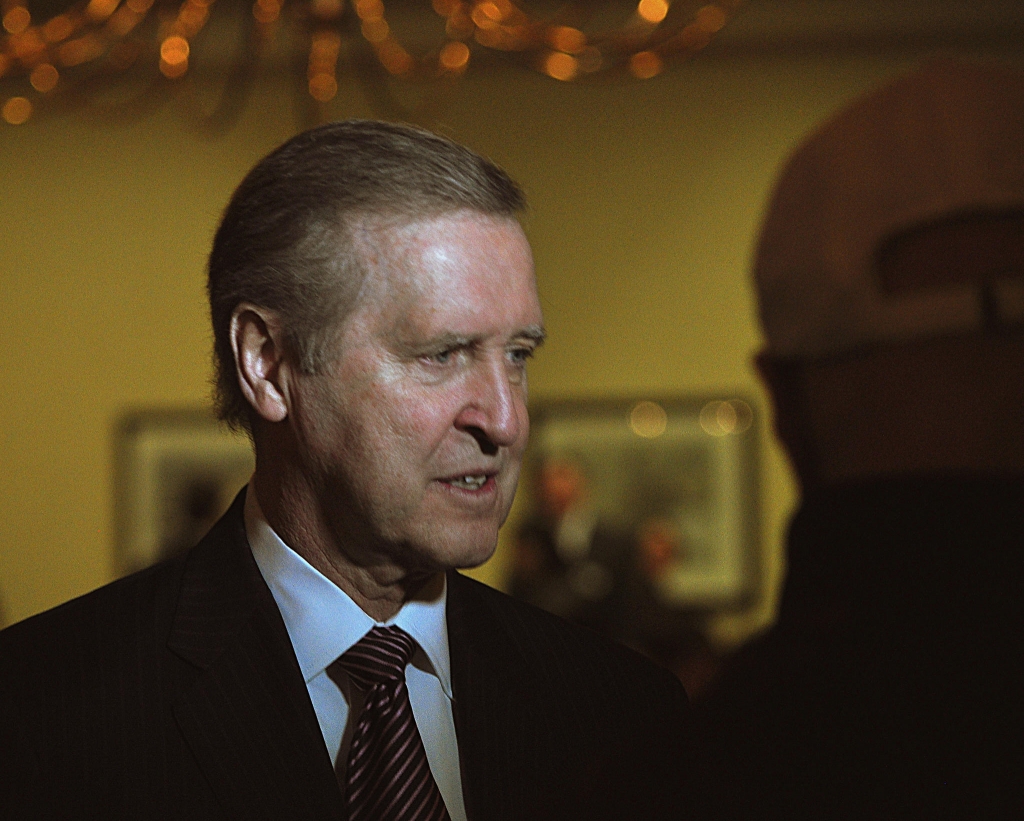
641, 513
177, 471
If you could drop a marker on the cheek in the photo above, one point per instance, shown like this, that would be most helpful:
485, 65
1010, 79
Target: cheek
408, 423
431, 424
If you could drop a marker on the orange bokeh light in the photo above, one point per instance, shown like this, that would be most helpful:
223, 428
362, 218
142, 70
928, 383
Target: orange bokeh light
653, 11
370, 9
454, 56
44, 77
710, 19
16, 21
567, 39
57, 29
376, 30
266, 11
174, 50
323, 87
561, 66
16, 110
100, 9
394, 58
646, 64
174, 56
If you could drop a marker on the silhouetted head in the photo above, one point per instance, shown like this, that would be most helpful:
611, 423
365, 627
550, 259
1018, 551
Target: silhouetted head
890, 279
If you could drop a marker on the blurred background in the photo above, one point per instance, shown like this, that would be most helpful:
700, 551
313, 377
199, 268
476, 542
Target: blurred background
646, 186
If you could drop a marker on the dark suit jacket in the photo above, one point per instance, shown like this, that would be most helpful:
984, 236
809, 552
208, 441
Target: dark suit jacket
892, 685
175, 693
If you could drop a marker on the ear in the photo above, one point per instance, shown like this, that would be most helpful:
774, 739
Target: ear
257, 340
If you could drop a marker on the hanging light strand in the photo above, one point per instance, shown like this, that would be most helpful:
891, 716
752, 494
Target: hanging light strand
43, 58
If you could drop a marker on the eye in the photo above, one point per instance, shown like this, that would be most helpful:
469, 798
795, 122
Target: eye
520, 356
444, 356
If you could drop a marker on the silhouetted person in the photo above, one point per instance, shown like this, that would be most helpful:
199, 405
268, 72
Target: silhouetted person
890, 275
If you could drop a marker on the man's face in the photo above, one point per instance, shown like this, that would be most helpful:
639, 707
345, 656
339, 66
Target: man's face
414, 436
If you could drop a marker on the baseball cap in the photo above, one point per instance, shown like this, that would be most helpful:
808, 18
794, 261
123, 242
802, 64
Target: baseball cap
946, 141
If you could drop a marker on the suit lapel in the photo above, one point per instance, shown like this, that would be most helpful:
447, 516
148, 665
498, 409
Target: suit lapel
490, 705
247, 717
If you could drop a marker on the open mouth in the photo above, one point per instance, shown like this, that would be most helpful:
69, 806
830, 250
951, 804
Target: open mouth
468, 482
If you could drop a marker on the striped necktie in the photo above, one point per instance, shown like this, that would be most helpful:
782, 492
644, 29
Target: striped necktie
387, 777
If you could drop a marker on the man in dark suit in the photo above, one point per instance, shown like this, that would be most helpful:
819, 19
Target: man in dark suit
890, 275
316, 655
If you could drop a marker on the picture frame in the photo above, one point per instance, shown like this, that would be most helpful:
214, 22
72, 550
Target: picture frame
668, 489
176, 471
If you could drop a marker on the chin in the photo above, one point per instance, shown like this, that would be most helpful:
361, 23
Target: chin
466, 550
446, 543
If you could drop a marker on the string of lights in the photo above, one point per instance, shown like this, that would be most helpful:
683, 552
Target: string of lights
77, 52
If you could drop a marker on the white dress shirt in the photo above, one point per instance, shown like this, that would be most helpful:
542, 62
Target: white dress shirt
323, 622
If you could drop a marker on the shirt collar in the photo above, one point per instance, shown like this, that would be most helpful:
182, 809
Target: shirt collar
322, 620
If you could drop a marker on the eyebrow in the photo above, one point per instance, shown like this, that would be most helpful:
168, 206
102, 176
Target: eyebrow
536, 333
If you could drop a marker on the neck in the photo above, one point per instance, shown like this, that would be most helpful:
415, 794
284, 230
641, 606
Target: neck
378, 585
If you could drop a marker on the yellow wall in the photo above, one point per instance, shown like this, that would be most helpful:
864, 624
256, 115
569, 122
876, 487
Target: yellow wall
646, 198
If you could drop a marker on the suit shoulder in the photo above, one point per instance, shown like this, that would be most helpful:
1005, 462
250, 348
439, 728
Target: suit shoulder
616, 727
543, 640
141, 603
137, 608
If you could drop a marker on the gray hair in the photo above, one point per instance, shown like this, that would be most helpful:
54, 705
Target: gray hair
285, 241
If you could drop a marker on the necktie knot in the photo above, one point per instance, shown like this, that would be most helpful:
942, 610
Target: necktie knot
378, 657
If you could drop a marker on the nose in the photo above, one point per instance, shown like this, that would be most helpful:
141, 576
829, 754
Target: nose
494, 411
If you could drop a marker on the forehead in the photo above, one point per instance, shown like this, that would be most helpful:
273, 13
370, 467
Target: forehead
459, 260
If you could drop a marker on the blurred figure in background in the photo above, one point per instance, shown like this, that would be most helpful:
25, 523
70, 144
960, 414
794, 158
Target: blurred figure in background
566, 560
570, 560
890, 274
